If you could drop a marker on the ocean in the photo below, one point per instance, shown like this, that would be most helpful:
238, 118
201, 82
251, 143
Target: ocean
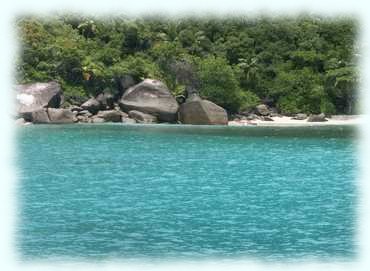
115, 191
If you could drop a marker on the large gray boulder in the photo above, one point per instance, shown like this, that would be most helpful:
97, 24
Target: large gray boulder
202, 112
141, 117
36, 96
60, 115
151, 97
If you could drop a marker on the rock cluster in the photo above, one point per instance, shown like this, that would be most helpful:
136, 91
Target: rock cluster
149, 101
265, 113
260, 112
34, 97
40, 103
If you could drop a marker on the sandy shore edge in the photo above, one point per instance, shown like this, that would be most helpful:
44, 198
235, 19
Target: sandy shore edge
288, 121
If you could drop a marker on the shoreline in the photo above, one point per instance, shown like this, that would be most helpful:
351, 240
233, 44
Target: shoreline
281, 121
34, 108
285, 121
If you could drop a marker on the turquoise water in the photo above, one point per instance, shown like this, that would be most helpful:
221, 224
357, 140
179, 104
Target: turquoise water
166, 191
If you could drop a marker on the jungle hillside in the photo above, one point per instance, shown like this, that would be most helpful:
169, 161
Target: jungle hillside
302, 64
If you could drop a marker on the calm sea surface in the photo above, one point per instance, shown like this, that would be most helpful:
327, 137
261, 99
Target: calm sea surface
167, 191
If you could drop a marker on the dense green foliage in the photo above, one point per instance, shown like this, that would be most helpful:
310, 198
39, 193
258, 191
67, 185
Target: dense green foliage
303, 64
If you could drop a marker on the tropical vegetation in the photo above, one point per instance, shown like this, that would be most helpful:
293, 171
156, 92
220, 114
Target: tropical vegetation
297, 64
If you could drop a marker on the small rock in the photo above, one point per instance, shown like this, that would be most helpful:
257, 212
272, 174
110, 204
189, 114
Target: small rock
180, 99
127, 81
300, 116
262, 110
92, 105
60, 115
110, 115
75, 108
273, 110
128, 120
20, 121
82, 118
273, 114
123, 114
317, 118
40, 116
193, 97
142, 117
106, 101
84, 113
245, 112
266, 118
97, 120
252, 117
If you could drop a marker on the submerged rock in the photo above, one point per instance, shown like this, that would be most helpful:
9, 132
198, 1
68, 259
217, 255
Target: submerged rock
142, 117
34, 97
202, 112
151, 97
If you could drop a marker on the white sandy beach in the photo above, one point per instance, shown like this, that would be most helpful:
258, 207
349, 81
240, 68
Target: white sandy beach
288, 121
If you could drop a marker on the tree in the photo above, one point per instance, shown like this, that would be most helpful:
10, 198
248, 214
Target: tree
218, 83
